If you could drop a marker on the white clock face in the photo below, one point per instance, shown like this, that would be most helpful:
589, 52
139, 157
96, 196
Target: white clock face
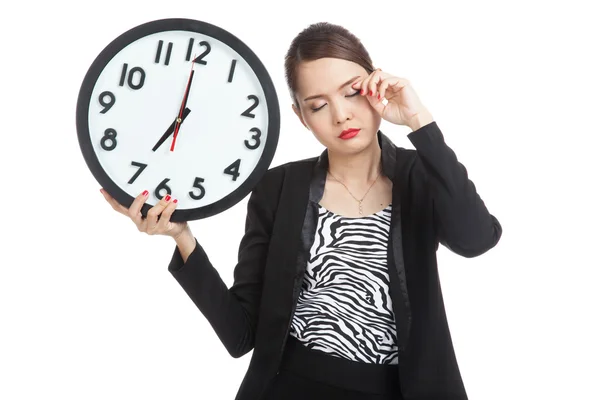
137, 98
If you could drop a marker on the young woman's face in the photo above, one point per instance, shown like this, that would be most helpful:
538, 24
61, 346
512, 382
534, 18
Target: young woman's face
329, 105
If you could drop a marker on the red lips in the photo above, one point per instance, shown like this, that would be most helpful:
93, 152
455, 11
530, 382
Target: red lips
348, 133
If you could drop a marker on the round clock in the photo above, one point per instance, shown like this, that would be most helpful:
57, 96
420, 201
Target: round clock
179, 107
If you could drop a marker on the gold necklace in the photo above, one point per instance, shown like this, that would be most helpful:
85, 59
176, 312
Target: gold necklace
360, 210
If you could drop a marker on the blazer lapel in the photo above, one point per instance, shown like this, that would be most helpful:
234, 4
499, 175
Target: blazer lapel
280, 271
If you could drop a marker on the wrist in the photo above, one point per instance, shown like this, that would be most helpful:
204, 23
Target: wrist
419, 120
183, 235
186, 243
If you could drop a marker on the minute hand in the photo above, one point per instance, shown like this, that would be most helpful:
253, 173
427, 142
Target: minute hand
183, 104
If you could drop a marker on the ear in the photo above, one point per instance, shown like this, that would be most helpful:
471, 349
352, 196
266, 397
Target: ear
299, 115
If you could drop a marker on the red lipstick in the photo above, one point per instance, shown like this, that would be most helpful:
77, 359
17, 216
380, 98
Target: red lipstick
349, 133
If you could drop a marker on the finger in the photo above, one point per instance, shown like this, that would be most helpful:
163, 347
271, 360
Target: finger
383, 87
396, 84
113, 203
377, 105
164, 223
364, 87
362, 84
374, 83
134, 209
358, 84
154, 213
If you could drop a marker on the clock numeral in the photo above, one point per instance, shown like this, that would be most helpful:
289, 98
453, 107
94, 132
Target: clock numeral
189, 50
248, 113
201, 56
159, 50
109, 135
161, 186
104, 104
256, 137
198, 184
231, 70
233, 169
139, 171
130, 76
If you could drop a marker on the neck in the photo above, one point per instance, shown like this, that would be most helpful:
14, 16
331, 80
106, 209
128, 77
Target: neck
356, 169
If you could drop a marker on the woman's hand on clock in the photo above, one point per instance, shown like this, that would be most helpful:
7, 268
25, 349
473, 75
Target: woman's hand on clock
157, 221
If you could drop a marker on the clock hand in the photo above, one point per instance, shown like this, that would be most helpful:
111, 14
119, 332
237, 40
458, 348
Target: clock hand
169, 130
183, 104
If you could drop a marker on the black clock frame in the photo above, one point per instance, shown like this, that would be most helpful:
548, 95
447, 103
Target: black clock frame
170, 24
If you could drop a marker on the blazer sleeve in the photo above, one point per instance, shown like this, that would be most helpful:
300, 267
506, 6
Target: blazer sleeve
233, 312
461, 219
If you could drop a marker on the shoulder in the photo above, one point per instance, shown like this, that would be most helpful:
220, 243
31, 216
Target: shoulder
405, 158
294, 165
273, 179
279, 173
411, 172
267, 191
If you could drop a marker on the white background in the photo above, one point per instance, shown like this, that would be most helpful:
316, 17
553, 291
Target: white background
88, 309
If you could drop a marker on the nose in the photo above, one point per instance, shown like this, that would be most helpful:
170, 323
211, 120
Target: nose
341, 113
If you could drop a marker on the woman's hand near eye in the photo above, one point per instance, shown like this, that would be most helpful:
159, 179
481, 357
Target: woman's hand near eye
403, 106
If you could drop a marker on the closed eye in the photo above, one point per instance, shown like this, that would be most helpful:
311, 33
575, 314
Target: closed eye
351, 95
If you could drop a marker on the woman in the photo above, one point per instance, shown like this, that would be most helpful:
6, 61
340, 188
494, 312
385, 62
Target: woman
336, 288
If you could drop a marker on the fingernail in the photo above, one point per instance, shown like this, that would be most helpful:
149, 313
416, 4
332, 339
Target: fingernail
145, 193
167, 197
362, 92
175, 201
370, 93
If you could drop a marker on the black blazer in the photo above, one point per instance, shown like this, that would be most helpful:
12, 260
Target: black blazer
433, 201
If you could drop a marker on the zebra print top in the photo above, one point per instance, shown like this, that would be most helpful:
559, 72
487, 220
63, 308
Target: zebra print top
344, 307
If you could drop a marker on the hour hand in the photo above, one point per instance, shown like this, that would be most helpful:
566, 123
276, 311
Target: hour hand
170, 129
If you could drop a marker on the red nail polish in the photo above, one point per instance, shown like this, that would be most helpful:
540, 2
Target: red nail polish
370, 93
167, 198
145, 193
175, 201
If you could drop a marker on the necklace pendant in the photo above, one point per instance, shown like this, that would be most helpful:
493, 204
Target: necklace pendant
360, 210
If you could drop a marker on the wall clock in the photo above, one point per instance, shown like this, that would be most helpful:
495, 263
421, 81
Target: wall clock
180, 107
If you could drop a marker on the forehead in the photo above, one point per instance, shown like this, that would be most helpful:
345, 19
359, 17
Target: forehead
325, 74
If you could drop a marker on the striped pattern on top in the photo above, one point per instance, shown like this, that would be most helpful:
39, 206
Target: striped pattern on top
344, 307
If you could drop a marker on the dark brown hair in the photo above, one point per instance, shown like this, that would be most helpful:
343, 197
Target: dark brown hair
320, 40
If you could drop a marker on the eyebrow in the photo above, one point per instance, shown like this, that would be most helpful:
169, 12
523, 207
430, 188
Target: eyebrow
341, 86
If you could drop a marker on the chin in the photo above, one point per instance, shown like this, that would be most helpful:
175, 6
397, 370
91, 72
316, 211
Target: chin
352, 146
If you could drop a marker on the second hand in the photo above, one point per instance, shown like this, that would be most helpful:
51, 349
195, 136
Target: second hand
183, 104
